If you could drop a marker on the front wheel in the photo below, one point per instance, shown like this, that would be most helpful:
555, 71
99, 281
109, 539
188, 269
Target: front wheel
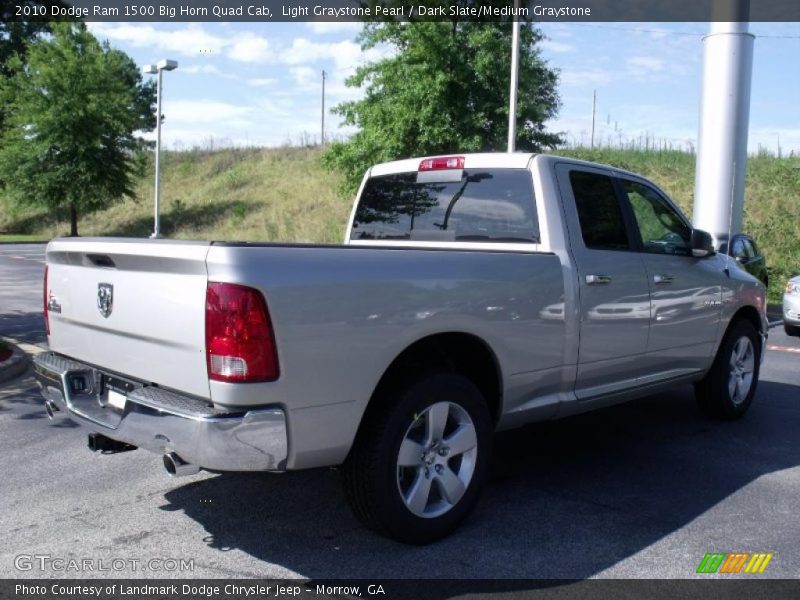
727, 391
420, 459
791, 330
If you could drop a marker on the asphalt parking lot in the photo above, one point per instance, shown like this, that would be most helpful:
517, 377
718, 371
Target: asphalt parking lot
638, 490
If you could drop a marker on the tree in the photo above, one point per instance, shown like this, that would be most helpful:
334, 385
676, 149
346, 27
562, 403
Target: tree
444, 90
72, 111
15, 35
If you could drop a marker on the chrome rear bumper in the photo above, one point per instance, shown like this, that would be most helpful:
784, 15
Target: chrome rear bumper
163, 421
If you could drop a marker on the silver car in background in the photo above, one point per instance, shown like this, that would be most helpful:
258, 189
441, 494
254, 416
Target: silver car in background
791, 307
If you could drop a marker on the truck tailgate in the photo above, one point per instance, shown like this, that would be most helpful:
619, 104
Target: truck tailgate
131, 306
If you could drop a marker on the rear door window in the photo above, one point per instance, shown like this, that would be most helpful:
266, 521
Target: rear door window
485, 205
599, 211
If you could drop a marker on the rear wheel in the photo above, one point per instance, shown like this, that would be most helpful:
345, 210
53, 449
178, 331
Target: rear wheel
419, 462
792, 330
727, 390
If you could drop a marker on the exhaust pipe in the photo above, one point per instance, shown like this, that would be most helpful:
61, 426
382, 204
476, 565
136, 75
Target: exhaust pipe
99, 443
177, 467
51, 408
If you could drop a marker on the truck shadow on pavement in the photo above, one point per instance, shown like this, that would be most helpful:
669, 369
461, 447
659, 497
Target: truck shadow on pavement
24, 326
568, 499
22, 392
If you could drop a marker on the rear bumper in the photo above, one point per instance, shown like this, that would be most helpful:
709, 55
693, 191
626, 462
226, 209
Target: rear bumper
163, 421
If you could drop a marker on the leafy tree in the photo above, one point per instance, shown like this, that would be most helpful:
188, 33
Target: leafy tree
15, 35
444, 90
72, 111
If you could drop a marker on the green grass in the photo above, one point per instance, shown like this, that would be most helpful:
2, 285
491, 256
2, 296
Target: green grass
284, 194
22, 237
244, 194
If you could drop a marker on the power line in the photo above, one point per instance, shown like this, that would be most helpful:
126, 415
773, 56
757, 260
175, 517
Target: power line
674, 32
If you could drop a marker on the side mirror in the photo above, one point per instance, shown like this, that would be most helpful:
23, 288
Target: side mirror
702, 244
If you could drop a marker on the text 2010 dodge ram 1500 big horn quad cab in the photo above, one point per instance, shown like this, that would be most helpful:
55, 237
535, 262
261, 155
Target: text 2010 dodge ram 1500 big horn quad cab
474, 293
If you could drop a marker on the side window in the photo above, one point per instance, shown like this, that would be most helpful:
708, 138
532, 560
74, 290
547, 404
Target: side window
738, 250
749, 248
599, 212
663, 231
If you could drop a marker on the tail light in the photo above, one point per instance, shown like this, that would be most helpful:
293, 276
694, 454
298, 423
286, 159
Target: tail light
240, 345
44, 304
442, 163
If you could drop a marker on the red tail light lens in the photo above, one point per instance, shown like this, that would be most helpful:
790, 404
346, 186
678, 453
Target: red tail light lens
240, 345
442, 163
44, 303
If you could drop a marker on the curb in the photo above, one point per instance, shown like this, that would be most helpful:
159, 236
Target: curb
14, 365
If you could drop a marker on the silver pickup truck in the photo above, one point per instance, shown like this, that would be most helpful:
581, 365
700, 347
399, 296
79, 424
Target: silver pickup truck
473, 294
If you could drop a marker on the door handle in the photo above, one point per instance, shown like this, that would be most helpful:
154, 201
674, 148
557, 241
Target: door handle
598, 279
662, 279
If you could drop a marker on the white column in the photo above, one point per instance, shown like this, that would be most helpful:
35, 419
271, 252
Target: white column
722, 136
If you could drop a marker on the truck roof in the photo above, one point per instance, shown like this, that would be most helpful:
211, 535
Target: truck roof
483, 160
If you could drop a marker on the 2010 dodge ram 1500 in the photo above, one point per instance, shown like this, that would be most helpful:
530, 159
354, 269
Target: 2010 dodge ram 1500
473, 293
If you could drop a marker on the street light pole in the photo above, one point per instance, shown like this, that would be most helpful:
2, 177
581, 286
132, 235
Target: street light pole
156, 216
512, 96
163, 65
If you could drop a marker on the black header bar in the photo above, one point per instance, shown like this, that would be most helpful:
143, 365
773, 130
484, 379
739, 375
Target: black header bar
730, 588
403, 10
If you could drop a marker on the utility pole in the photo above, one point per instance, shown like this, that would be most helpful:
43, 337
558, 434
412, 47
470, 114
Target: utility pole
512, 96
594, 112
322, 135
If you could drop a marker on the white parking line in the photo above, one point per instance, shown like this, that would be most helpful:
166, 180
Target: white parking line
784, 349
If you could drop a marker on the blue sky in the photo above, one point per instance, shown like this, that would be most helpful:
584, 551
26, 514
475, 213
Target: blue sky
259, 83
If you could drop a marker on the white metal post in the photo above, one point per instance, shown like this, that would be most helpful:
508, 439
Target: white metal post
512, 96
722, 136
156, 222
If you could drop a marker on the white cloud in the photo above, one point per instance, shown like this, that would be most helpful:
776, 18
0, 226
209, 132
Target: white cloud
578, 77
646, 63
245, 46
206, 70
249, 47
305, 77
206, 111
556, 47
323, 27
188, 41
262, 82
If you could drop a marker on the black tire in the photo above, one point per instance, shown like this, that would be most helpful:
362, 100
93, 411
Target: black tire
372, 476
791, 330
713, 391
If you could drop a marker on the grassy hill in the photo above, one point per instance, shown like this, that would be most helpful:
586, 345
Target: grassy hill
284, 194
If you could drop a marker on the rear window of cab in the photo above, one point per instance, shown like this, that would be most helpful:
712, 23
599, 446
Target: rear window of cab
491, 205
